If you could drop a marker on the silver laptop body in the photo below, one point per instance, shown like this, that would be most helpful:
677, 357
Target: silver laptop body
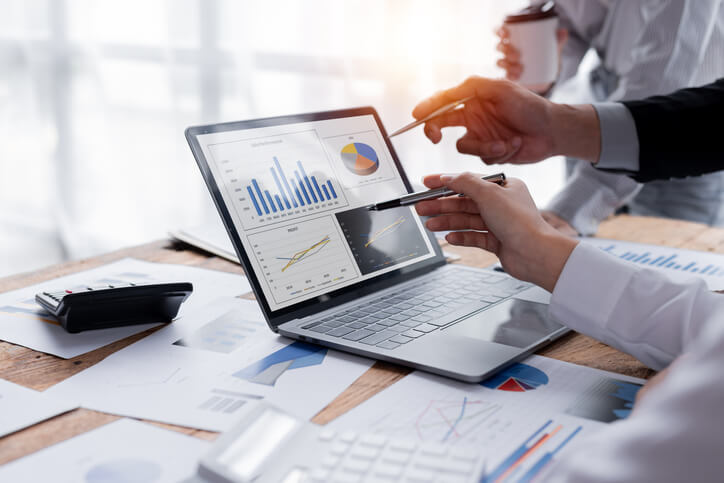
292, 192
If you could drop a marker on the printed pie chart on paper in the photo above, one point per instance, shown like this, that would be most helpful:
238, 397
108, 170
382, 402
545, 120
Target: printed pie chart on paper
360, 159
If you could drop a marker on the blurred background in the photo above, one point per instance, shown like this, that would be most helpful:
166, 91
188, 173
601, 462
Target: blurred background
95, 96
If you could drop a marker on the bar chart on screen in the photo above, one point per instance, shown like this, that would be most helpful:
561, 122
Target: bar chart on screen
302, 258
278, 178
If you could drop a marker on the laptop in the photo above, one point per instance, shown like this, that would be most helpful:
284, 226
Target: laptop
293, 192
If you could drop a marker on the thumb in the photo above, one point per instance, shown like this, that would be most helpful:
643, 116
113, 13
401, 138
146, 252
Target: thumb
469, 184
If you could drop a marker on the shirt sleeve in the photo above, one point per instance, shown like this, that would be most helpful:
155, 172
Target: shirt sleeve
619, 139
582, 20
674, 433
590, 196
636, 310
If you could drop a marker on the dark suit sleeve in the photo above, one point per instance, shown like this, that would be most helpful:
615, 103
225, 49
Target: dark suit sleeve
681, 134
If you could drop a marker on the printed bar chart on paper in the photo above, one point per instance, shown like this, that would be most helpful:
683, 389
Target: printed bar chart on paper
302, 258
673, 261
529, 459
277, 178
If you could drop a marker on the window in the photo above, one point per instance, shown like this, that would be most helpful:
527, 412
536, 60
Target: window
95, 95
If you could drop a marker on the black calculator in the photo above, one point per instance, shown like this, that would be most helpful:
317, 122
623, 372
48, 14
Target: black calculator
117, 305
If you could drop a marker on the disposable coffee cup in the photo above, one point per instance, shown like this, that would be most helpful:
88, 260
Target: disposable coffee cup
533, 33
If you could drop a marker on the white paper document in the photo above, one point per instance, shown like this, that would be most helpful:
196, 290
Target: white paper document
123, 451
676, 263
24, 322
203, 369
503, 416
21, 407
211, 236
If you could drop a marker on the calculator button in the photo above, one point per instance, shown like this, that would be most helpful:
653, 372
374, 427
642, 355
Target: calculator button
319, 474
462, 467
348, 437
434, 450
346, 478
406, 446
339, 449
330, 461
388, 471
357, 466
464, 454
431, 463
364, 453
396, 458
419, 476
327, 435
373, 440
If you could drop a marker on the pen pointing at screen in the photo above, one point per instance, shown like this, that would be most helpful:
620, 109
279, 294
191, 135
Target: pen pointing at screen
438, 112
413, 198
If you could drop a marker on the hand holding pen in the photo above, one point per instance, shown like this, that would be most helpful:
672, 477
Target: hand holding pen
413, 198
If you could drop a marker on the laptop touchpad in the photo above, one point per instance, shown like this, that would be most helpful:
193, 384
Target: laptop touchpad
517, 323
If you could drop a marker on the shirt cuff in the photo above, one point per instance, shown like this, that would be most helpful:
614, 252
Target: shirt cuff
619, 139
588, 290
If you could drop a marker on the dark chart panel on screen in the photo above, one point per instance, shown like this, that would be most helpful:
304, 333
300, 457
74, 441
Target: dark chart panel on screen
379, 239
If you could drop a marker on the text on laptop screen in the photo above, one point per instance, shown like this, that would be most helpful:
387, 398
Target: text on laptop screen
297, 194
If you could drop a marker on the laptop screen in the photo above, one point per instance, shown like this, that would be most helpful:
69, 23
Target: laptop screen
297, 193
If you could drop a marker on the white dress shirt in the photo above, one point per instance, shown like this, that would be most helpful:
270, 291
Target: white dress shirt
646, 47
676, 433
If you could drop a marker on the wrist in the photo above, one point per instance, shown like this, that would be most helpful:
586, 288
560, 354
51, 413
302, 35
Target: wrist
549, 257
576, 131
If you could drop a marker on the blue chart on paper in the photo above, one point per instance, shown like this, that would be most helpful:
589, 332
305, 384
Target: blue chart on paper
526, 462
664, 259
294, 356
626, 393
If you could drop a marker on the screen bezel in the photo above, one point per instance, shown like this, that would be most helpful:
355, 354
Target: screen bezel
331, 299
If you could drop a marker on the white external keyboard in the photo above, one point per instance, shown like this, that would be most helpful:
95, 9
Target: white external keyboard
269, 445
354, 458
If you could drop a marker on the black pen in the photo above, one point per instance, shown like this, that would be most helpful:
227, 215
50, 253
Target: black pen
413, 198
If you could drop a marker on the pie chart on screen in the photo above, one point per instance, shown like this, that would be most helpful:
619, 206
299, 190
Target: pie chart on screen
517, 378
360, 159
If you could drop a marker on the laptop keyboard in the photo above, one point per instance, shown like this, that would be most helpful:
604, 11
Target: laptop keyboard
399, 317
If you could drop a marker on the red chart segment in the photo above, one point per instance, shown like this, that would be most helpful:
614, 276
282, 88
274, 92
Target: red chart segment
517, 378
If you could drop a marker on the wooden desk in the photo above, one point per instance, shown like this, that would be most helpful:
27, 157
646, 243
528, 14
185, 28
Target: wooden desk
40, 371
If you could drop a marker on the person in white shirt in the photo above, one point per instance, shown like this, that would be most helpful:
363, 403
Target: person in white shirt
644, 48
676, 431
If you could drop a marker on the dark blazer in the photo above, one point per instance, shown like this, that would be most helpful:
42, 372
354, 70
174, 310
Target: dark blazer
681, 134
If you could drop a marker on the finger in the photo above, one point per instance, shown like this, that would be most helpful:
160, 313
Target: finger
469, 183
503, 32
432, 181
472, 86
512, 149
453, 204
486, 241
561, 37
456, 221
472, 144
512, 71
433, 127
511, 53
